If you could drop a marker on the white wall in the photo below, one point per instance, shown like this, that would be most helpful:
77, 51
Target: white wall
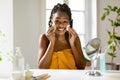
27, 28
6, 42
103, 26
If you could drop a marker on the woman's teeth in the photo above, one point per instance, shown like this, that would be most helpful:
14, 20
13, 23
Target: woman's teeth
61, 29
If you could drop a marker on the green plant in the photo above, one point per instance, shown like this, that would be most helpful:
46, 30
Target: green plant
2, 34
4, 54
113, 41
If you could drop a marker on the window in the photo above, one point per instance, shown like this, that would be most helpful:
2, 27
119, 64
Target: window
81, 12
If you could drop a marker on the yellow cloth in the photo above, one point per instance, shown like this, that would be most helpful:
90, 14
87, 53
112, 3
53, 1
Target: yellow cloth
63, 60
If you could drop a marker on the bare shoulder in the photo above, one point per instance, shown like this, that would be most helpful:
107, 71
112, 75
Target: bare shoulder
78, 42
43, 40
43, 37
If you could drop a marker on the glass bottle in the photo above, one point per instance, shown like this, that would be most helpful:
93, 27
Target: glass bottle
102, 62
28, 73
18, 65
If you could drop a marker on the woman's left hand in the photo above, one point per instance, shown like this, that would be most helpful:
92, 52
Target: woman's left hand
72, 35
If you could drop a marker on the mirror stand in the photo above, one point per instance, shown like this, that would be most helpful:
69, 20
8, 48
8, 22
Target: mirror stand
92, 51
93, 73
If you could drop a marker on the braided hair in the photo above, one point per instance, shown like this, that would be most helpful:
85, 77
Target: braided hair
62, 8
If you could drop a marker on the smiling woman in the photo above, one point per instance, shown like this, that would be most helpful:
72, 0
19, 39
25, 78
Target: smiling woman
82, 17
30, 19
59, 48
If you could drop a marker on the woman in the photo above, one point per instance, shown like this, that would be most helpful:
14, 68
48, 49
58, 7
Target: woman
60, 47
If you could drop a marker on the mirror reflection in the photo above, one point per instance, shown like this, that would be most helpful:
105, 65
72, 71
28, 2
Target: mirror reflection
92, 47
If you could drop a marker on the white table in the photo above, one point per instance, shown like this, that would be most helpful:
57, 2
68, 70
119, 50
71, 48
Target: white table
74, 75
77, 75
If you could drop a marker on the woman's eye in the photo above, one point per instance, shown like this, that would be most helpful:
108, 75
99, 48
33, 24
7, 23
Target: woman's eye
61, 22
65, 22
56, 21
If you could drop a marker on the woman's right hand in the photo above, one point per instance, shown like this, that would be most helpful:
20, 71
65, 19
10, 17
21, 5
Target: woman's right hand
51, 34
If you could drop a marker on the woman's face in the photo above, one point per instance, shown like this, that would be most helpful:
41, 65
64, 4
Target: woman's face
60, 21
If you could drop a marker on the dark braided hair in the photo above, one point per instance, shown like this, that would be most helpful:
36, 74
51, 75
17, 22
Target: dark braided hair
62, 8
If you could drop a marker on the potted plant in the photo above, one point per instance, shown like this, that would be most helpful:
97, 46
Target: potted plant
114, 39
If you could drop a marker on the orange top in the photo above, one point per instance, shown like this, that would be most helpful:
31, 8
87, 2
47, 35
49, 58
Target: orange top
63, 60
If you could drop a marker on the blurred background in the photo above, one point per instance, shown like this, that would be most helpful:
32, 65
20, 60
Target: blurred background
23, 21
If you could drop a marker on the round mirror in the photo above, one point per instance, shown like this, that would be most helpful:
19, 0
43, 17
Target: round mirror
92, 53
91, 48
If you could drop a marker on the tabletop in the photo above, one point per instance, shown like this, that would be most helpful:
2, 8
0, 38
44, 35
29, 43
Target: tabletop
77, 75
74, 74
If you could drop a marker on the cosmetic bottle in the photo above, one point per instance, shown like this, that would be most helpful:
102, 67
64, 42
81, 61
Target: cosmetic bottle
18, 65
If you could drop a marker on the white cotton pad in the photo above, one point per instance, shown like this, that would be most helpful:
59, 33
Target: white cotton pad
68, 26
